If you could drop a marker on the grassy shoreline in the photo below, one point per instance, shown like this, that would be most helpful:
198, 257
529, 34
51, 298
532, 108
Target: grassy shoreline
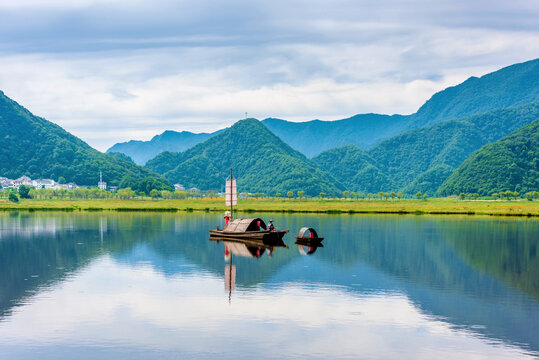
417, 207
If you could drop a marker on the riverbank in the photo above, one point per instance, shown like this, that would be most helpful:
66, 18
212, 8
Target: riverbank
418, 207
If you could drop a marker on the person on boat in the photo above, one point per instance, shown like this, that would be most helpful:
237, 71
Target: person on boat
227, 218
271, 227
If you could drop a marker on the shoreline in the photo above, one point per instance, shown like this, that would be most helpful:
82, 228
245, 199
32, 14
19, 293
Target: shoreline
520, 208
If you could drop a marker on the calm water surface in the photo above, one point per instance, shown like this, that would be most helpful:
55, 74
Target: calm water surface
145, 286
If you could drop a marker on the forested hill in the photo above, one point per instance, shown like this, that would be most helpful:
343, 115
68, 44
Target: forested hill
422, 159
511, 163
261, 161
512, 85
33, 146
142, 151
355, 169
313, 137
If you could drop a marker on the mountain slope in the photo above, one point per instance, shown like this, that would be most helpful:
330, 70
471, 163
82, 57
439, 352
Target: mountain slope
261, 161
363, 130
413, 155
511, 163
33, 146
354, 168
510, 86
422, 159
142, 151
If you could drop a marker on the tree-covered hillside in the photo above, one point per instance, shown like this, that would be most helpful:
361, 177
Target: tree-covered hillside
511, 163
33, 146
354, 168
512, 85
422, 159
261, 161
142, 151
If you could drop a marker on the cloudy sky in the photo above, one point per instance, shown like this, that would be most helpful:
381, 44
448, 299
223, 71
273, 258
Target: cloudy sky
111, 71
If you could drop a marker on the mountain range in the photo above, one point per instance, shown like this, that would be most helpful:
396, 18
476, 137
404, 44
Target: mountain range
262, 163
142, 151
513, 85
364, 153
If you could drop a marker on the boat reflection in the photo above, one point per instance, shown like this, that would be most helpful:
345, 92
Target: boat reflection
249, 248
308, 239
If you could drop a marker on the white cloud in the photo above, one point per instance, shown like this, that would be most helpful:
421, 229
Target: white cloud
109, 303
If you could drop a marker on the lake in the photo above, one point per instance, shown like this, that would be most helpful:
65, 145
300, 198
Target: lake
152, 286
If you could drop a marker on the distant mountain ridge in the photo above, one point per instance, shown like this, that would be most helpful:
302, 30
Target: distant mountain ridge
261, 161
33, 146
142, 151
513, 85
313, 137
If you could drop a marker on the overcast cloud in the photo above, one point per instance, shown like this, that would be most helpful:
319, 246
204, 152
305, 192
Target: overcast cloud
111, 71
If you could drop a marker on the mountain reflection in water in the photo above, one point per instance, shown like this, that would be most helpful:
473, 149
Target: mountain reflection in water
468, 277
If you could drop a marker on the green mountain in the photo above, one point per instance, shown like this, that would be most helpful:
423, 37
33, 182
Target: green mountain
363, 130
511, 163
513, 85
510, 86
261, 161
33, 146
354, 168
422, 159
142, 151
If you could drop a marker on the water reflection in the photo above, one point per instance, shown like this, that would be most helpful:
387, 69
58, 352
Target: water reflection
440, 287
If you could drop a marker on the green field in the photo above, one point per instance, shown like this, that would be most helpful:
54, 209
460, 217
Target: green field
419, 207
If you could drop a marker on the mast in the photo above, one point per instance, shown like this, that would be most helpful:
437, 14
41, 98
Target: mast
231, 197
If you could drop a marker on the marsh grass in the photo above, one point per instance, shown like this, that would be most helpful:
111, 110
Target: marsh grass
442, 206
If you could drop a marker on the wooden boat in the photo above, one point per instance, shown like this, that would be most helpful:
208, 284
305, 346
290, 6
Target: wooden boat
248, 229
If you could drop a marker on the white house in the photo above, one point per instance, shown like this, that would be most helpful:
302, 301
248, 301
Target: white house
179, 187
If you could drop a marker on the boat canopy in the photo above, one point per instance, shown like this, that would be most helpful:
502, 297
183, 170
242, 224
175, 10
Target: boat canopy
303, 230
243, 225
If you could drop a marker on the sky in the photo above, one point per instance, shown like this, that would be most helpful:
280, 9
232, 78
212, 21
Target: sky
112, 71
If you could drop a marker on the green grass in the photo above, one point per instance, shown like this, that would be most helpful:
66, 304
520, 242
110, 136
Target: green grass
442, 206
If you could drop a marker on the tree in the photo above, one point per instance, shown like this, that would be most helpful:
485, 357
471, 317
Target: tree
399, 195
322, 194
515, 194
508, 194
345, 194
381, 195
165, 194
369, 195
529, 196
392, 194
290, 194
24, 192
300, 194
13, 197
495, 196
61, 180
425, 196
154, 193
278, 195
475, 196
462, 196
418, 195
